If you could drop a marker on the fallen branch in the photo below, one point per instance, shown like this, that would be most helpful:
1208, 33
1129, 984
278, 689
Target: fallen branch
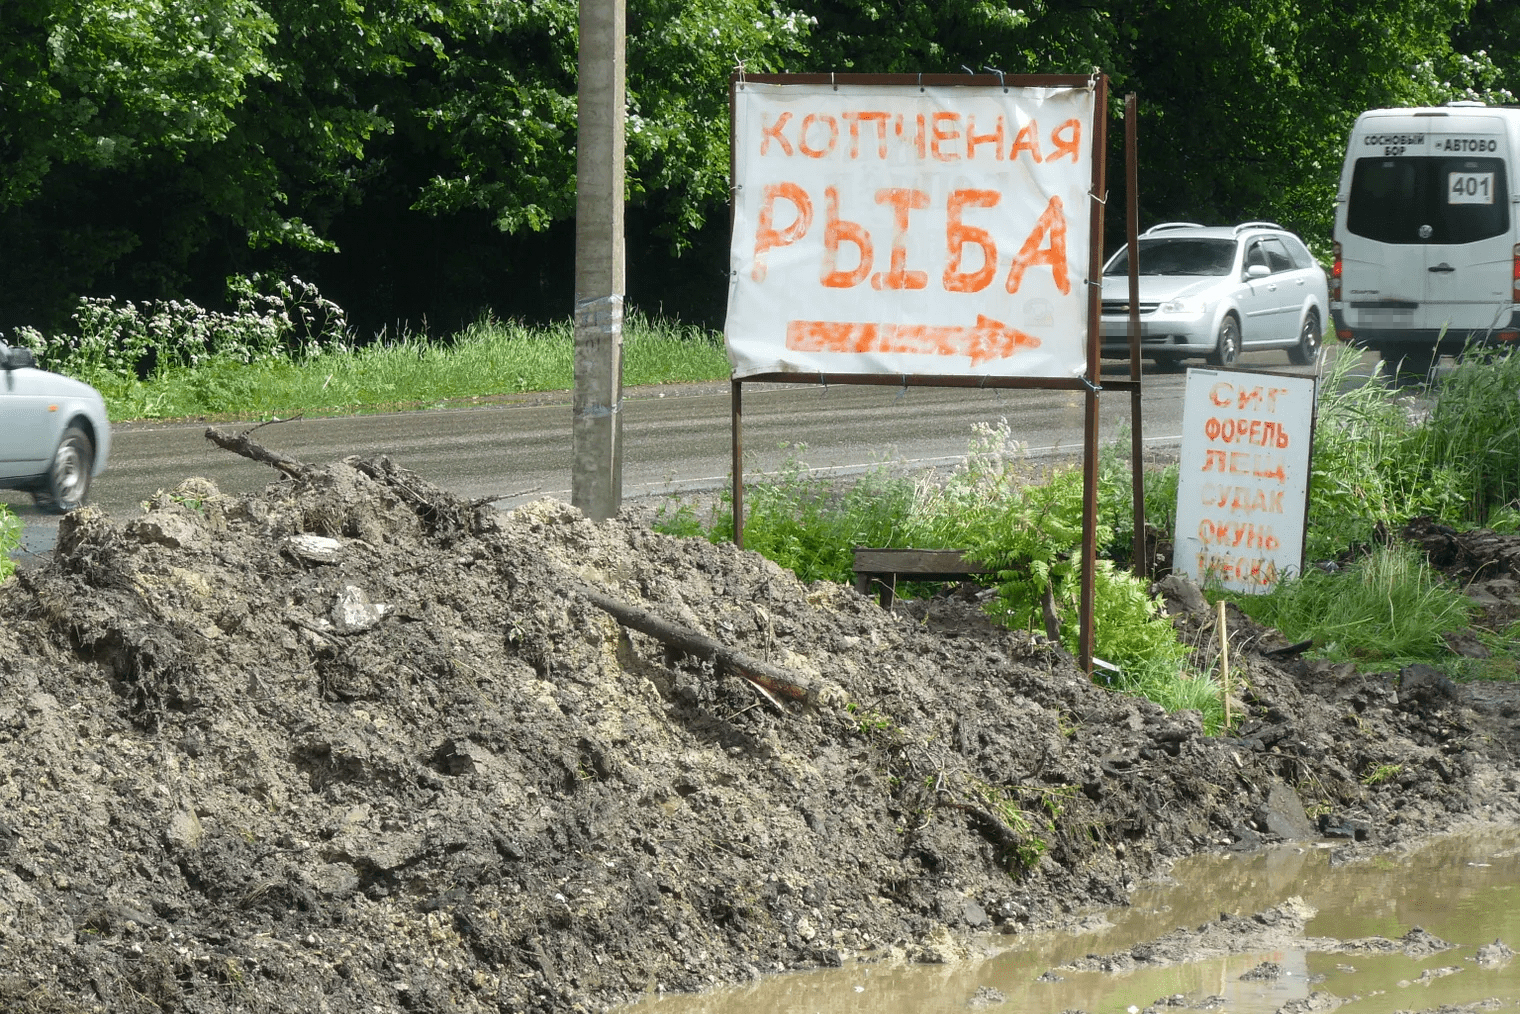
239, 443
729, 660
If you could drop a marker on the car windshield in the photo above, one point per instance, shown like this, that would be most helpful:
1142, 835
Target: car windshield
1177, 255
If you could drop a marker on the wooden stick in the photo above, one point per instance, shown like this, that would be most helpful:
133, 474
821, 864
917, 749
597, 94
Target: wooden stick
1224, 663
239, 443
760, 673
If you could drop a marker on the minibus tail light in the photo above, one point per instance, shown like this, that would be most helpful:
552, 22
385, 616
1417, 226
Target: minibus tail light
1515, 291
1335, 272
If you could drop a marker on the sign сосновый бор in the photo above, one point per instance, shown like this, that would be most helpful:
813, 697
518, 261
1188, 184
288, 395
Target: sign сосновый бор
900, 229
1243, 478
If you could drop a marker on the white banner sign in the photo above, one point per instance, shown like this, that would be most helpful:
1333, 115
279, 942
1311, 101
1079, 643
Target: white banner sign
899, 229
1244, 477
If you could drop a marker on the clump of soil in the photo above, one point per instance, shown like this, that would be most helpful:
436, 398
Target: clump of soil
354, 744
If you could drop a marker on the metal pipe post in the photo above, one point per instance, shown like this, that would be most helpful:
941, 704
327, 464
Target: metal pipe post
1094, 372
1142, 563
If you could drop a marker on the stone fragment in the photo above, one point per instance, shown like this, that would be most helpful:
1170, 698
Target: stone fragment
354, 613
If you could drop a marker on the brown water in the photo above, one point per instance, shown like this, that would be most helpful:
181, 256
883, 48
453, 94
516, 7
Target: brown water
1464, 889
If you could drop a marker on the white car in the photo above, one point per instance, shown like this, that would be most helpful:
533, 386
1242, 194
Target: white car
54, 435
1215, 292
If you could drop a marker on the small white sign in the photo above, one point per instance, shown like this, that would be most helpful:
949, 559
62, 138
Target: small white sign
899, 229
1244, 478
1470, 188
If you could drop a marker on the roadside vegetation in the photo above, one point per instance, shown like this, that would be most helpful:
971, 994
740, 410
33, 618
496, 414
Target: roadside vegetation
286, 350
10, 541
1381, 458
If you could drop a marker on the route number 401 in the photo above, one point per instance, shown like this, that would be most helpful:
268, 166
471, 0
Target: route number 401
1470, 188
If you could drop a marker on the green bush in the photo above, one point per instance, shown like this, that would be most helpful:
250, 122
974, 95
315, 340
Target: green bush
10, 541
115, 341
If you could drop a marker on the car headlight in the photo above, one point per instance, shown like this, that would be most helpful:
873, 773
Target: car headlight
1191, 307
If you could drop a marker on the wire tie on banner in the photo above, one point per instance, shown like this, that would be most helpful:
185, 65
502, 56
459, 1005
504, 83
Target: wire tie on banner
904, 390
1101, 200
740, 68
920, 80
1092, 81
994, 70
823, 383
1094, 388
968, 70
832, 82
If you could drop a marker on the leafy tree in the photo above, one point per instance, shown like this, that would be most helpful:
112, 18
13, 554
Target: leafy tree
107, 84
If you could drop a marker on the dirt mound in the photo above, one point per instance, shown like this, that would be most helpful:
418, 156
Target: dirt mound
354, 744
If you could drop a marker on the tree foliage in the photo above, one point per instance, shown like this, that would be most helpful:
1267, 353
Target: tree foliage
153, 147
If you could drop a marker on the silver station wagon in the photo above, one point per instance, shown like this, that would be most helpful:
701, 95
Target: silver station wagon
54, 436
1215, 292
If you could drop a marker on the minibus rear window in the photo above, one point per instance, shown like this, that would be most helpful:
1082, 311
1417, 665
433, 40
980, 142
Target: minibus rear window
1462, 200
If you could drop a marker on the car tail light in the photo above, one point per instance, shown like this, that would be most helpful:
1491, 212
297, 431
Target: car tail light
1335, 272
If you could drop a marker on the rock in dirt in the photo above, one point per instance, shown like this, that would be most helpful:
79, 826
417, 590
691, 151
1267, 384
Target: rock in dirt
1282, 814
1316, 1002
491, 797
986, 996
1494, 955
1273, 929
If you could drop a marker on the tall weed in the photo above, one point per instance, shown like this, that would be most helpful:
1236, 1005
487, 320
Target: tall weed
1386, 609
1473, 433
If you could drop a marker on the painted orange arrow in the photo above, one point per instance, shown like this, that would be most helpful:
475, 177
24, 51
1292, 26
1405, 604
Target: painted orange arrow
986, 340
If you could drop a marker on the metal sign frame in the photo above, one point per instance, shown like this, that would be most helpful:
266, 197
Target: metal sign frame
1087, 383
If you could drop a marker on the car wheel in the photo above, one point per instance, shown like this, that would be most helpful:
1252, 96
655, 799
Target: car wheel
1307, 349
1227, 348
68, 478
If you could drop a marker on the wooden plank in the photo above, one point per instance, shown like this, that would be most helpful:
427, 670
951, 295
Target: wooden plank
914, 561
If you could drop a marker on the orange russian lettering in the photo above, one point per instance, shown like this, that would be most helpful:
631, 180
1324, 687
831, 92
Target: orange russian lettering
1219, 394
855, 120
958, 235
898, 276
1067, 145
945, 135
917, 140
1053, 223
973, 138
767, 235
1028, 140
835, 231
774, 131
802, 135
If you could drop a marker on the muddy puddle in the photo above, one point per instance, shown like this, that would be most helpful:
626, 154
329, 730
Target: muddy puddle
1464, 890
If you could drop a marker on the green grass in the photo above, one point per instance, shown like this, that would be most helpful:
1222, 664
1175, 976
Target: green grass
10, 541
1385, 611
487, 359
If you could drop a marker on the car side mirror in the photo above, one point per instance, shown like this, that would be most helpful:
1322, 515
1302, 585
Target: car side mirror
1257, 271
17, 359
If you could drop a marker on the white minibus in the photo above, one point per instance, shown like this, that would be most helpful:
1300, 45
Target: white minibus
1427, 245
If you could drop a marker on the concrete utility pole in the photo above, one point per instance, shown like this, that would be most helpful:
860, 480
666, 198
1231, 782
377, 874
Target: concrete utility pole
596, 472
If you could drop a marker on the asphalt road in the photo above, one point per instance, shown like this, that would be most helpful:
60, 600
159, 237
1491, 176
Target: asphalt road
676, 438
